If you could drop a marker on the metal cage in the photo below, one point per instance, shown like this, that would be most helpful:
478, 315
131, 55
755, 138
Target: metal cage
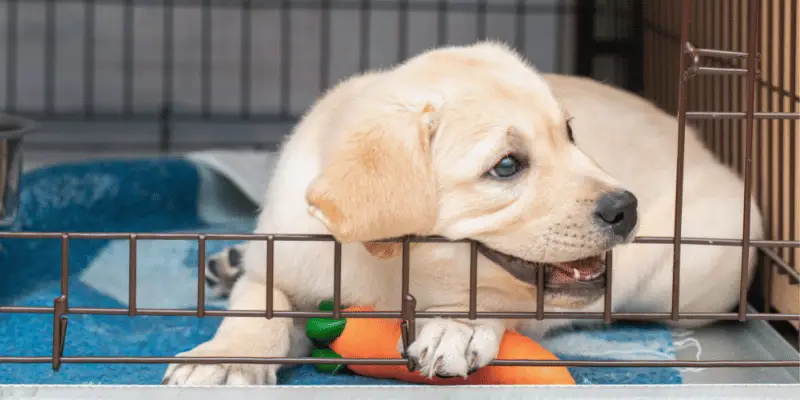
734, 75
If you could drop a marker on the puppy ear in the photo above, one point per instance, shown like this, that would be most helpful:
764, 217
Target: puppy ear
377, 182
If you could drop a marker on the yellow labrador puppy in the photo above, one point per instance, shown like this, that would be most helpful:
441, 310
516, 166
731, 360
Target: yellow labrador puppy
471, 142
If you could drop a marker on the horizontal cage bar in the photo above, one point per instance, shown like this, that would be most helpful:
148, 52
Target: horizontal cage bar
329, 238
398, 314
400, 361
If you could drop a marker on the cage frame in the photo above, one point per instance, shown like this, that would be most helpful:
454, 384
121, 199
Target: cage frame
691, 66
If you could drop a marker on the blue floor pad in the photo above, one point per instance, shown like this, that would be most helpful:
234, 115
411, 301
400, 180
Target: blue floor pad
162, 196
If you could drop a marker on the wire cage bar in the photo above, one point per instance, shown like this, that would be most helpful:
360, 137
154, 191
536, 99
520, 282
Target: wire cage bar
61, 310
268, 69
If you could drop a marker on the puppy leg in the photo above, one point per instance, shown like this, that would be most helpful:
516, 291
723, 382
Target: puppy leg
240, 337
449, 347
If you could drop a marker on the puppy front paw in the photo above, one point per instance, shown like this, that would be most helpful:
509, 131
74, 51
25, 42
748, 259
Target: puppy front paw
218, 374
446, 348
223, 269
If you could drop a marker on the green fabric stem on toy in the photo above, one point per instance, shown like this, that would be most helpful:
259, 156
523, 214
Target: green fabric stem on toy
332, 369
322, 331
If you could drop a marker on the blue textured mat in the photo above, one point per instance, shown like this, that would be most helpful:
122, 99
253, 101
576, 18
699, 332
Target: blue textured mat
161, 196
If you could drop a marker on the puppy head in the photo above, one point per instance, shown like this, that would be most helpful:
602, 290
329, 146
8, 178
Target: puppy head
469, 142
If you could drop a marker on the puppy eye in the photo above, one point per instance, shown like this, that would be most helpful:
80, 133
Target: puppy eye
507, 167
569, 133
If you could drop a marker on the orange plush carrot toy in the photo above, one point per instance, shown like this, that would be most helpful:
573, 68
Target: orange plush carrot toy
378, 337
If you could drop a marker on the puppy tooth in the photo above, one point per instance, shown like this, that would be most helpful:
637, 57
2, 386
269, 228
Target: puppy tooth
576, 274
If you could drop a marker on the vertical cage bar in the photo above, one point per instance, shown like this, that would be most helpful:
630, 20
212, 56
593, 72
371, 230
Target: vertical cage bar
206, 52
201, 276
585, 48
364, 43
286, 57
560, 42
762, 144
406, 272
407, 301
636, 56
481, 21
618, 23
337, 280
616, 18
702, 33
473, 280
665, 85
519, 25
733, 127
246, 87
88, 58
325, 45
441, 25
781, 85
608, 306
764, 168
765, 137
740, 104
672, 53
167, 75
269, 308
647, 45
683, 81
704, 14
65, 266
722, 82
754, 34
794, 88
164, 129
785, 174
540, 292
61, 306
132, 275
127, 58
740, 89
725, 81
716, 84
49, 57
656, 80
764, 129
402, 30
773, 140
11, 56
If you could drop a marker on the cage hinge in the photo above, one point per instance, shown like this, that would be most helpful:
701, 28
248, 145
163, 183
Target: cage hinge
694, 56
59, 330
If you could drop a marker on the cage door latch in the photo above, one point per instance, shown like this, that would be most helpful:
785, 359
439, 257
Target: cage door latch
408, 328
59, 330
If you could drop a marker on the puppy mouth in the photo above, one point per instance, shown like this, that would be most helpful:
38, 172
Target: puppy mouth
584, 278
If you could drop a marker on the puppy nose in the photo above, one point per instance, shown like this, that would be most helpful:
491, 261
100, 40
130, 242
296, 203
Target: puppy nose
618, 211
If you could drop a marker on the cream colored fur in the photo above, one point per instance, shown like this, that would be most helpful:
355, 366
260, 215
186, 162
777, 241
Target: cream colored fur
402, 151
